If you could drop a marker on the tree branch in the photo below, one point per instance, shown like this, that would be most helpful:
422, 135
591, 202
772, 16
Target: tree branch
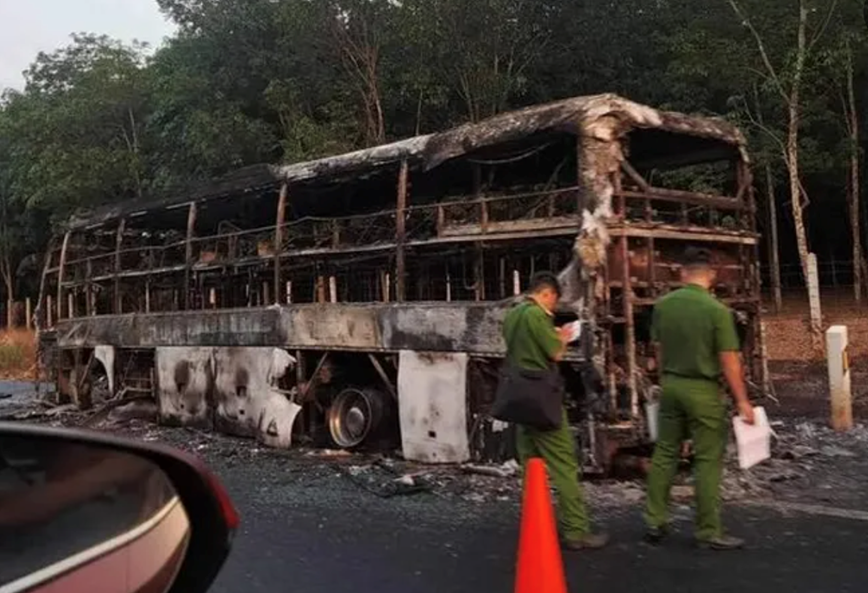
825, 25
762, 49
765, 129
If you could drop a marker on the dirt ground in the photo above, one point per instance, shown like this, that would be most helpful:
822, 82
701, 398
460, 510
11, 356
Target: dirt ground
798, 372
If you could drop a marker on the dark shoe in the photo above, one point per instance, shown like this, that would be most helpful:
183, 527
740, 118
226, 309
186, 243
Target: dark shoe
591, 541
655, 535
723, 543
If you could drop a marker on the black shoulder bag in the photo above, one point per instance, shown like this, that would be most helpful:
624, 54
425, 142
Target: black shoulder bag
532, 398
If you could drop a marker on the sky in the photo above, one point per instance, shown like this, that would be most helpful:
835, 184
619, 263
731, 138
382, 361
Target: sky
30, 26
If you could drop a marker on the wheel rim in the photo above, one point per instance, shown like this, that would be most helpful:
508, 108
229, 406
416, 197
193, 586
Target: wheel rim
352, 417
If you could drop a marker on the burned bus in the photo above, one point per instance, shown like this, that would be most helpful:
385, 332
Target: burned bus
356, 300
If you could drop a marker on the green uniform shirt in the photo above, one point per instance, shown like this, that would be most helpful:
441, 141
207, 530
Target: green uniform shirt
531, 339
693, 328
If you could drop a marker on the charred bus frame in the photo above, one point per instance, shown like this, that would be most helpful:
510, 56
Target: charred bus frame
380, 278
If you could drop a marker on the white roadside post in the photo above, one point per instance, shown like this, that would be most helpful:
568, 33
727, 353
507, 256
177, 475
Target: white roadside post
839, 377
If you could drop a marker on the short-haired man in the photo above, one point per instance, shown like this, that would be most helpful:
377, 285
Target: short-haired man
696, 342
533, 343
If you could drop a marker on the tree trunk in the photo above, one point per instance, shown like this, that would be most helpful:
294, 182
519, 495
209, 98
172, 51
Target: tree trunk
378, 104
771, 201
792, 159
136, 155
774, 255
360, 55
6, 272
853, 126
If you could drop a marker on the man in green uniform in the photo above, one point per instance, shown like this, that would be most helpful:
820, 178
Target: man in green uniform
533, 343
696, 343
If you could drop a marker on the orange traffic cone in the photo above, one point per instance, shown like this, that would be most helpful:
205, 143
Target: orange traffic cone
540, 567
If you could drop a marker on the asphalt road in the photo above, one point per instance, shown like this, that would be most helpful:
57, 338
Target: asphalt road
308, 528
347, 541
18, 395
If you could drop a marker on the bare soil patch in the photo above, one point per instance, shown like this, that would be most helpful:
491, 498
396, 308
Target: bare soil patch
798, 372
17, 354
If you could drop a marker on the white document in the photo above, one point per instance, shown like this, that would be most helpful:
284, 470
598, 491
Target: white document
754, 441
575, 330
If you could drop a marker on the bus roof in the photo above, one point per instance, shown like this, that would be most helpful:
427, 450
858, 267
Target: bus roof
605, 117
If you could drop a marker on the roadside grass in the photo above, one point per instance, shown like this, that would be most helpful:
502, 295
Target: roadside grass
17, 354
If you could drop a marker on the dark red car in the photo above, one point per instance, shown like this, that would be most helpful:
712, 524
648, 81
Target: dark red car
85, 512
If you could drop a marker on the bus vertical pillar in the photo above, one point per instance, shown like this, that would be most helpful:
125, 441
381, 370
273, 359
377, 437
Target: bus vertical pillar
401, 232
278, 239
188, 252
60, 272
119, 240
42, 315
627, 298
88, 290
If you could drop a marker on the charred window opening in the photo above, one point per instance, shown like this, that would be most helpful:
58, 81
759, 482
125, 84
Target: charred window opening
665, 164
220, 253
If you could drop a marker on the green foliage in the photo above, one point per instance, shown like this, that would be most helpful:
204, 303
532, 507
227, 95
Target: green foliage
247, 81
74, 134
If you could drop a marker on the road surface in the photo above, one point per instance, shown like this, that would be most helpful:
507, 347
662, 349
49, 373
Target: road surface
298, 536
311, 525
17, 396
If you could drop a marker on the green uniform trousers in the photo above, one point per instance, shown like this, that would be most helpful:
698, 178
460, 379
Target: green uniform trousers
694, 408
558, 449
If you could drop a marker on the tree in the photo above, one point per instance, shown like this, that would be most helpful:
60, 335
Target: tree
841, 62
851, 119
78, 127
20, 234
9, 240
484, 48
788, 85
252, 81
207, 90
359, 29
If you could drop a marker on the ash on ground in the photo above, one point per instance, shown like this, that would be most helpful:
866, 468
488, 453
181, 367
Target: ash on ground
810, 464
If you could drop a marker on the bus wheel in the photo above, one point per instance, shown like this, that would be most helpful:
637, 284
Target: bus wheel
356, 416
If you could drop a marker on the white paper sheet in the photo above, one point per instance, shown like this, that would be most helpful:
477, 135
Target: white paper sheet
575, 329
753, 441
